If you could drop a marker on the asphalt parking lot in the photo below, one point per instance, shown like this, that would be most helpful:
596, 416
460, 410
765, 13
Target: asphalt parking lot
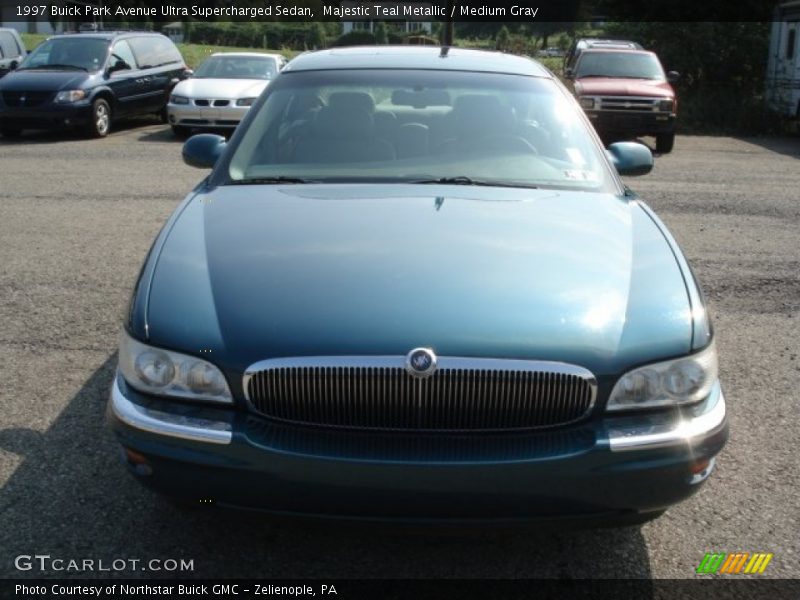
76, 219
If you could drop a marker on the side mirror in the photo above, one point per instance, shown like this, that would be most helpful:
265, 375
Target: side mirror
203, 150
673, 76
13, 65
631, 158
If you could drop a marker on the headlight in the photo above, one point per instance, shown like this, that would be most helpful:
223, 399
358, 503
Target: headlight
178, 100
245, 101
70, 96
587, 103
166, 373
666, 105
669, 383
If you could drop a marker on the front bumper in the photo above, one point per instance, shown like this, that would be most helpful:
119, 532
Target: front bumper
188, 115
631, 122
608, 470
46, 116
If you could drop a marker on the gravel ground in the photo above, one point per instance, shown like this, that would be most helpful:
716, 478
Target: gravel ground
76, 218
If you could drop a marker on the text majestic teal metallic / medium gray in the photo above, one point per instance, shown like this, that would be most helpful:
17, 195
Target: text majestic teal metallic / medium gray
570, 370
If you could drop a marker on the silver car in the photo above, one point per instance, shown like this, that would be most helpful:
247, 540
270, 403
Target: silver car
221, 91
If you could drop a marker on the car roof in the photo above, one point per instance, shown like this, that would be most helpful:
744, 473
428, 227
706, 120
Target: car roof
249, 54
607, 42
417, 57
617, 51
106, 35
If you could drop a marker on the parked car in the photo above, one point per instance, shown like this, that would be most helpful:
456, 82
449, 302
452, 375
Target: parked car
581, 44
626, 94
12, 50
551, 52
88, 80
221, 91
414, 286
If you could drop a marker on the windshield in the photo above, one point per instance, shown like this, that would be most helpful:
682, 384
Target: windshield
629, 65
84, 53
419, 126
237, 67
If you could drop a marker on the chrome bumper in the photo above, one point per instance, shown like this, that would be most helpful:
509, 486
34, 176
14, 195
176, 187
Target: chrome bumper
186, 427
692, 426
687, 427
205, 116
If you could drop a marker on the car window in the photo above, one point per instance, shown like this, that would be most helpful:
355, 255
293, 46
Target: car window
122, 51
154, 51
410, 125
631, 65
8, 45
62, 53
237, 67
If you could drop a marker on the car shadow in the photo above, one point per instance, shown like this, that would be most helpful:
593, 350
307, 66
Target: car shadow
49, 136
162, 135
70, 497
786, 145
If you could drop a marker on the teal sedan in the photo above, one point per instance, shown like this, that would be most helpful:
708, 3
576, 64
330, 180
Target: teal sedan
414, 287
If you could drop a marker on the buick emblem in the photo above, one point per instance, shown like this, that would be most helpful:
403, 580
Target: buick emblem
421, 362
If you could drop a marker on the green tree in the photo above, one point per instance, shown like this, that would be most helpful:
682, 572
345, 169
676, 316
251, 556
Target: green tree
381, 33
316, 36
503, 39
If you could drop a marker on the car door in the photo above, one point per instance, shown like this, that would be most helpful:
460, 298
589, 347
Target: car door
125, 82
159, 61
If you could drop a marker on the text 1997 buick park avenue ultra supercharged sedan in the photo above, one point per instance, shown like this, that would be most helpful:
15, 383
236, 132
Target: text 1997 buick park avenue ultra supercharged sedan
414, 286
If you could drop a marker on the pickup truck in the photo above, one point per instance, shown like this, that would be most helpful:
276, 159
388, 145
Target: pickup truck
626, 94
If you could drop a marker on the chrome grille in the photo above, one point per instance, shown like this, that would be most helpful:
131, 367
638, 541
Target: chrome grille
629, 103
463, 394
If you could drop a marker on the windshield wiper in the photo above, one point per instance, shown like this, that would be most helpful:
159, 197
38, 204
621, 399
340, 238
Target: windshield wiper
464, 180
53, 66
268, 180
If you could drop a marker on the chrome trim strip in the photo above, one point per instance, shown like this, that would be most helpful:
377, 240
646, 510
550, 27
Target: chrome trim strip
167, 424
661, 434
442, 362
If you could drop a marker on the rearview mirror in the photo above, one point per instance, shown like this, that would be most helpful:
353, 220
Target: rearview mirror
203, 150
631, 158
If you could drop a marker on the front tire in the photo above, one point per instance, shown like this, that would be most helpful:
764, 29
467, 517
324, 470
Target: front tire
100, 121
665, 142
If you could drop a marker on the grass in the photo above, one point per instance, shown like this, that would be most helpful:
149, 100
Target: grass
194, 54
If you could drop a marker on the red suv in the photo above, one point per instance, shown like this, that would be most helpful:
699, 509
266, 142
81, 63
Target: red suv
626, 94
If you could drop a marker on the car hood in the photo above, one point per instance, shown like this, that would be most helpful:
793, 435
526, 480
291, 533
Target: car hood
220, 88
592, 86
44, 81
254, 272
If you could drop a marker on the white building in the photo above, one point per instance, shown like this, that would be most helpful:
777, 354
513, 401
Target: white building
783, 65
